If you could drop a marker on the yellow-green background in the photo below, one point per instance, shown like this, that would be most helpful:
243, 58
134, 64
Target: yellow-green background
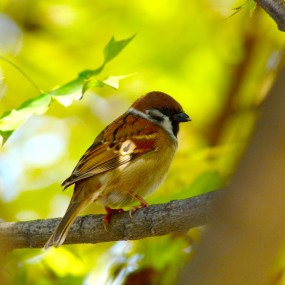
218, 67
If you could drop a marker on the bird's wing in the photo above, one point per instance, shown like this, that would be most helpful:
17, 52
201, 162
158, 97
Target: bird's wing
124, 140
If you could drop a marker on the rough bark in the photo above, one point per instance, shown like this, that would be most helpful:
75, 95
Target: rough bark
154, 220
276, 10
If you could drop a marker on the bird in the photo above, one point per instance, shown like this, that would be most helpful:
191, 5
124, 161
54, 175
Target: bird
127, 161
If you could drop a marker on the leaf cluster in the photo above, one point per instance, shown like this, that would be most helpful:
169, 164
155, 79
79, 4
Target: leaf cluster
66, 94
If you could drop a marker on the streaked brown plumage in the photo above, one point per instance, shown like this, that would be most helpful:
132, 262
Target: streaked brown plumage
128, 160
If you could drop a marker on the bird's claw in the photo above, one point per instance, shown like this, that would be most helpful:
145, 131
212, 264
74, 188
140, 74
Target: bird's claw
109, 213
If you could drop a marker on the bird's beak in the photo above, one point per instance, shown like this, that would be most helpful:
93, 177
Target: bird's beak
182, 117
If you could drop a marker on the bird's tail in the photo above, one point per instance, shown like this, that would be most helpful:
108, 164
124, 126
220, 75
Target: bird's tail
60, 233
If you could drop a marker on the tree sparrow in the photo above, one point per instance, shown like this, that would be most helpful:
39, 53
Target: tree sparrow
128, 160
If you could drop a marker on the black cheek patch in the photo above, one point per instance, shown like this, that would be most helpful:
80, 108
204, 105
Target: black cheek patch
175, 128
157, 118
118, 146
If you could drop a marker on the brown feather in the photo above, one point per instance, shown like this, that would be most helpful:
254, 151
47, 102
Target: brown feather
106, 154
80, 200
59, 234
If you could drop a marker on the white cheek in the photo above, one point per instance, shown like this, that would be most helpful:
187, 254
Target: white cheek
166, 124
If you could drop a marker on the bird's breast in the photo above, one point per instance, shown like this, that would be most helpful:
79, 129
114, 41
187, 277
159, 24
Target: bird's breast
141, 177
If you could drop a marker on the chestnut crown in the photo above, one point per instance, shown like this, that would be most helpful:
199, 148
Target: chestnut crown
161, 109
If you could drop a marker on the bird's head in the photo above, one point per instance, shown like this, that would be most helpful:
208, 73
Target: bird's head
162, 110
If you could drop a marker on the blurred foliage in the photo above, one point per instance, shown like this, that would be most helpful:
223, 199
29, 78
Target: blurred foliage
65, 94
219, 67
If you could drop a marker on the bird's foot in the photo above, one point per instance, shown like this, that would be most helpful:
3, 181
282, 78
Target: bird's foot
143, 204
109, 213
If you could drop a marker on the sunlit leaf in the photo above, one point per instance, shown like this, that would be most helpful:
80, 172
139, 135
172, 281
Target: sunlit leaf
113, 81
14, 118
65, 94
67, 99
113, 48
11, 120
69, 88
4, 135
249, 5
69, 92
91, 83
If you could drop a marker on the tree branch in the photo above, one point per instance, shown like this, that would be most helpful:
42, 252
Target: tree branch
244, 242
154, 220
276, 10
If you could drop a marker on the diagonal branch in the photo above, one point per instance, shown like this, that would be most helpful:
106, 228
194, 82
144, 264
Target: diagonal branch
154, 220
276, 10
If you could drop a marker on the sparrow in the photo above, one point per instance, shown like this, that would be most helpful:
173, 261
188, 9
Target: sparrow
127, 161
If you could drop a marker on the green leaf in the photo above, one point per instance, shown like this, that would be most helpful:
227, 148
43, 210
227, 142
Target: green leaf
69, 92
249, 5
65, 94
113, 48
4, 135
91, 83
113, 81
13, 119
